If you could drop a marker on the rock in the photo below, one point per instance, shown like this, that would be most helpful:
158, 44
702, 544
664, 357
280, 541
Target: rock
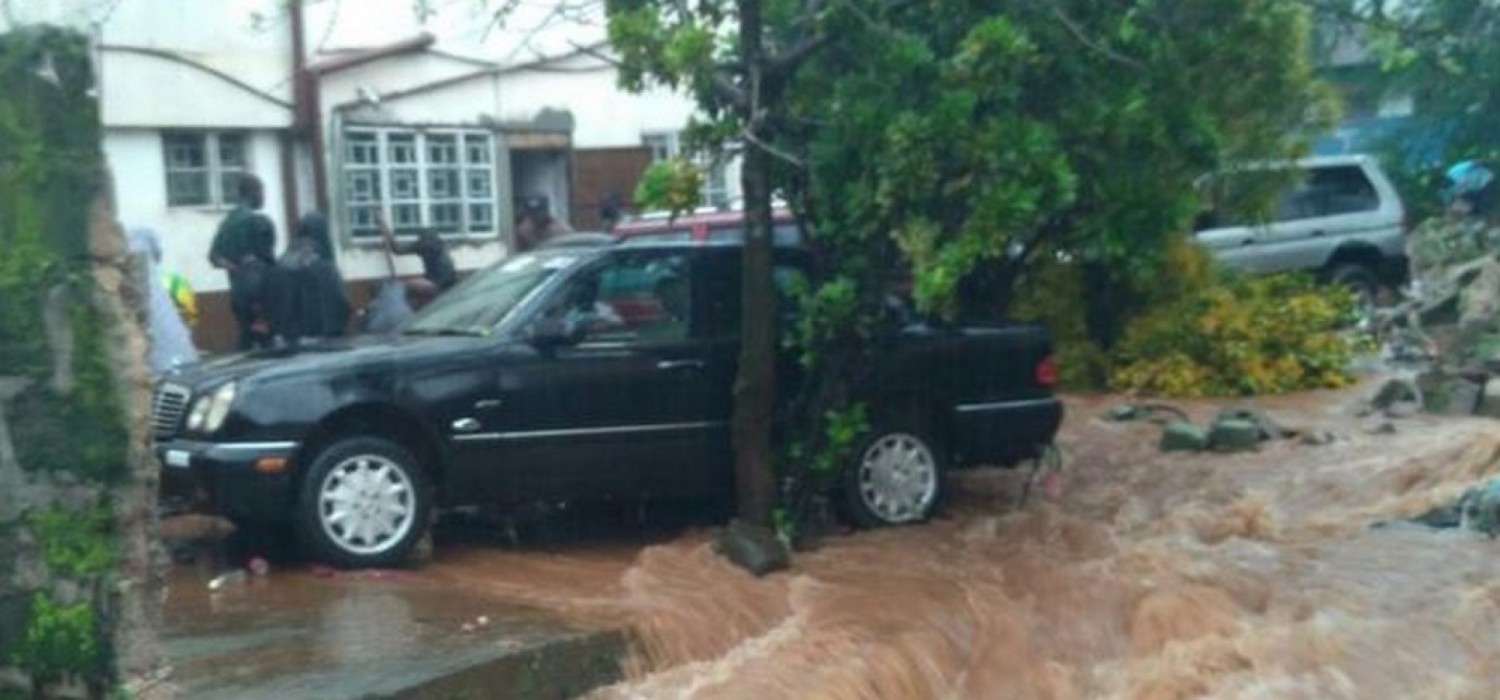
1124, 412
1269, 429
1489, 402
1450, 395
1319, 438
1234, 435
1182, 436
754, 549
1379, 426
1396, 391
1479, 508
1402, 409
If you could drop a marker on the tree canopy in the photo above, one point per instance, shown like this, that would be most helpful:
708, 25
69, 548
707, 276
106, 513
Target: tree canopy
959, 144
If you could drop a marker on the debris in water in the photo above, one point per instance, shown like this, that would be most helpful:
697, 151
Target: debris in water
227, 578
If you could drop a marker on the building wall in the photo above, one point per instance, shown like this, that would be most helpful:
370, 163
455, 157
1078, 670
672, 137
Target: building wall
135, 157
604, 115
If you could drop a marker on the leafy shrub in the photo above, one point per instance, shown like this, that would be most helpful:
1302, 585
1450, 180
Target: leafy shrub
1053, 295
62, 641
1243, 336
75, 544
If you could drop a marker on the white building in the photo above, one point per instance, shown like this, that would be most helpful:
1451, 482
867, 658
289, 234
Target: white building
351, 109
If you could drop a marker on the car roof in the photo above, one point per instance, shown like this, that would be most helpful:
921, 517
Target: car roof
665, 222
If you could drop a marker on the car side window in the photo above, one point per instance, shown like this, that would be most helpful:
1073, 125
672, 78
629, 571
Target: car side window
720, 283
633, 298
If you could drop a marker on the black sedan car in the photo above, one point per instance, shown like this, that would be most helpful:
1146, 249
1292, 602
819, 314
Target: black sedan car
570, 373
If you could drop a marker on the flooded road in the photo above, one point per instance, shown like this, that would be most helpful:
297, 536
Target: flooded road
1151, 576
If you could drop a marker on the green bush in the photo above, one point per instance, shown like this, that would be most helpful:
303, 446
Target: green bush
1053, 295
75, 544
1243, 336
62, 641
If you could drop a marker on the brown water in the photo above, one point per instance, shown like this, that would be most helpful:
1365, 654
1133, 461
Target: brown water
1152, 576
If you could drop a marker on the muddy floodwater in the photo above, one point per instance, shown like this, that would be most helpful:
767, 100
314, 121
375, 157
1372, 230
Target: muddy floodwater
1149, 576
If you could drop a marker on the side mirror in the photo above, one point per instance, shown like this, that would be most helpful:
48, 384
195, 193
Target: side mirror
550, 333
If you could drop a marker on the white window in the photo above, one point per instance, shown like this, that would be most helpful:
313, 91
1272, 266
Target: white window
204, 168
438, 179
667, 145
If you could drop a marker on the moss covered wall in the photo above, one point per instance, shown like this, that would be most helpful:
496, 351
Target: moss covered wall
66, 446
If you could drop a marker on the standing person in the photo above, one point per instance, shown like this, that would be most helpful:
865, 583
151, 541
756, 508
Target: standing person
536, 224
245, 248
438, 273
171, 342
611, 210
305, 296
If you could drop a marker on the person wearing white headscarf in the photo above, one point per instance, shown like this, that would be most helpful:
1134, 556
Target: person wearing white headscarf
171, 342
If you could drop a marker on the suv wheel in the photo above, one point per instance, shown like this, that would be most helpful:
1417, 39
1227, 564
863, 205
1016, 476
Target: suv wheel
1359, 278
364, 503
898, 480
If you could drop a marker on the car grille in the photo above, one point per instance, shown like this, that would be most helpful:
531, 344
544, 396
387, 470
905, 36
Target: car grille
167, 407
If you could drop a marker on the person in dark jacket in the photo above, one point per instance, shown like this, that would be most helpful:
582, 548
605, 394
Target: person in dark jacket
245, 247
306, 296
438, 273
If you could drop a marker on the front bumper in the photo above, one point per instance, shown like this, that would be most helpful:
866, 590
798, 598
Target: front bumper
227, 475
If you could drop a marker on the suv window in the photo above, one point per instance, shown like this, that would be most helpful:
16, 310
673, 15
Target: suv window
642, 297
1318, 192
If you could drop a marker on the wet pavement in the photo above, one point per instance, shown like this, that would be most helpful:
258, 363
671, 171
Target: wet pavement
315, 633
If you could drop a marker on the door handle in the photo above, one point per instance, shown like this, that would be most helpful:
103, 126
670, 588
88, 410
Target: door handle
679, 365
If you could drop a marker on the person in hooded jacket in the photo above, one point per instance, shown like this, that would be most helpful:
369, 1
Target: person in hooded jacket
306, 298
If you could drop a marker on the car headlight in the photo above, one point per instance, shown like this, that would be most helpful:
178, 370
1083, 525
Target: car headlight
209, 411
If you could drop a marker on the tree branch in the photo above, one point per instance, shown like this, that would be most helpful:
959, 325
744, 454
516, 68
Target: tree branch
1083, 38
794, 161
592, 51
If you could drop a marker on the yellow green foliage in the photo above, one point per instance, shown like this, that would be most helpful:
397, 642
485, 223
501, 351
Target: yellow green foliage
1053, 295
1250, 335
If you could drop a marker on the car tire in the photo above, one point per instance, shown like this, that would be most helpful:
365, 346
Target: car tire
896, 479
1360, 278
364, 503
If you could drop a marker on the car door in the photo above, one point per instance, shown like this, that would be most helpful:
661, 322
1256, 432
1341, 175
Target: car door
593, 417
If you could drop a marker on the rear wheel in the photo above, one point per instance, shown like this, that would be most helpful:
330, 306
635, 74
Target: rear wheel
1358, 278
364, 503
898, 479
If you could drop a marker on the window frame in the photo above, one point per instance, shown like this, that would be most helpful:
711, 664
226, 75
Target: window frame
213, 169
462, 166
665, 145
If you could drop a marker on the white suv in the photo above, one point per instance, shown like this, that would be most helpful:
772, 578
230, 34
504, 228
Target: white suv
1341, 218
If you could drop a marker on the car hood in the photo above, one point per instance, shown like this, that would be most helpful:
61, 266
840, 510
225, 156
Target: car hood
326, 358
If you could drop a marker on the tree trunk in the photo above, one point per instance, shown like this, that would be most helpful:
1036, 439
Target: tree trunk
755, 388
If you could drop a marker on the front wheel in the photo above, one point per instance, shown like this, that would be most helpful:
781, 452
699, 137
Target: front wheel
364, 503
897, 481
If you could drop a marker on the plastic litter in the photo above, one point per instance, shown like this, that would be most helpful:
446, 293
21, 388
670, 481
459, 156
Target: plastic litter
228, 578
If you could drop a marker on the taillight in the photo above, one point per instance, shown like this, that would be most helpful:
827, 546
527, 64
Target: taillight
1046, 371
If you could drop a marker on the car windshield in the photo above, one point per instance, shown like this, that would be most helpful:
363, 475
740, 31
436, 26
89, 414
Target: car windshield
477, 305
